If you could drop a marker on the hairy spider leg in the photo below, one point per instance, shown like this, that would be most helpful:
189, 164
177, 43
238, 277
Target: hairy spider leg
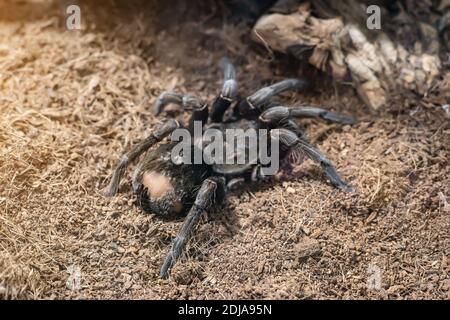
160, 133
290, 140
279, 113
187, 101
211, 192
228, 93
254, 104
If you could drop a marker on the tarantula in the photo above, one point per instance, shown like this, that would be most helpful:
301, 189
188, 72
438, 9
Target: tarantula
168, 188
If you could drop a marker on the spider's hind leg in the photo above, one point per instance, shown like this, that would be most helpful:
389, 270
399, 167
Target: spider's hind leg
164, 130
211, 192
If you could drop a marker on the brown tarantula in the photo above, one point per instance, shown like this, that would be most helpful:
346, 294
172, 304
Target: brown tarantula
166, 186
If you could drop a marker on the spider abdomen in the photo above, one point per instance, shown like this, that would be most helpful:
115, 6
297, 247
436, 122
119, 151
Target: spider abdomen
165, 188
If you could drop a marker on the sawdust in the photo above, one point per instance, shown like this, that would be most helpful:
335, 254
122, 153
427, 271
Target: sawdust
72, 101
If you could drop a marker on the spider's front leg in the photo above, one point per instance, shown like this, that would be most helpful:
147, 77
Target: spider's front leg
228, 93
199, 109
160, 133
187, 101
277, 114
290, 141
212, 191
317, 156
255, 103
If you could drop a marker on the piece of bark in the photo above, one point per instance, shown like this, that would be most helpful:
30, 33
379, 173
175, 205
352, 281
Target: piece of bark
377, 65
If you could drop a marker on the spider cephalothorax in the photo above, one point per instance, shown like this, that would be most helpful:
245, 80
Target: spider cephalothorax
168, 187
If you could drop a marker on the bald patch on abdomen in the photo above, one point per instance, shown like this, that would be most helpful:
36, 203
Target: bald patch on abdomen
157, 184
